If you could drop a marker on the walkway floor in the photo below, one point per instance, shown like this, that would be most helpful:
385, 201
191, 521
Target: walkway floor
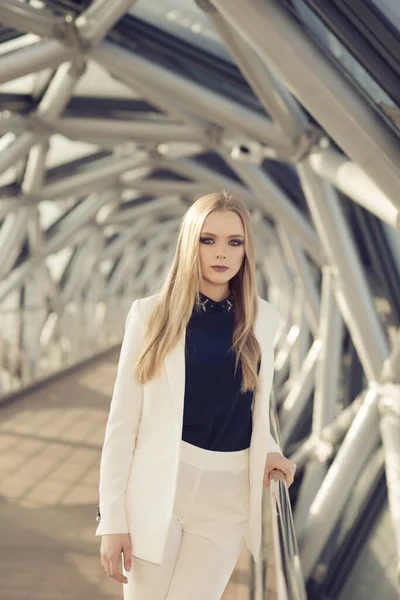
50, 444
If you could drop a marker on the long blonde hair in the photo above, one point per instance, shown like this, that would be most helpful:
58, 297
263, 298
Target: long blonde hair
180, 291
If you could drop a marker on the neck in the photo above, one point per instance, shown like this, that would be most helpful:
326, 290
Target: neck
215, 293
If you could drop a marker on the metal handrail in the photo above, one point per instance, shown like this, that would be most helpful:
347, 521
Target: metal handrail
288, 578
285, 543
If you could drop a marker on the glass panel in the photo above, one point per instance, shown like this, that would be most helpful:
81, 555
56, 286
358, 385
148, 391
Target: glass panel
390, 9
330, 42
184, 20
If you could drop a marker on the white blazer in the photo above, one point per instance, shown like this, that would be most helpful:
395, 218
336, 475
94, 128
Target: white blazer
140, 456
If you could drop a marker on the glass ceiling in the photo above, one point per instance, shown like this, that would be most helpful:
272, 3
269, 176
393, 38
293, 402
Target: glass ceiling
184, 20
177, 34
391, 9
362, 41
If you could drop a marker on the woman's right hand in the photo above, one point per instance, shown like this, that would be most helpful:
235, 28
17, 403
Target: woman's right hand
110, 548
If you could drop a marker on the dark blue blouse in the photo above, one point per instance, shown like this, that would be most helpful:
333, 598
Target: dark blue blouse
217, 415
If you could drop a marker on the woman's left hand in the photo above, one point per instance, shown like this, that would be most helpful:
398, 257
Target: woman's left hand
275, 460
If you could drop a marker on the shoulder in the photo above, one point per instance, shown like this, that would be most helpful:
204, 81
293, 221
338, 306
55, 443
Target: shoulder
143, 306
268, 312
267, 308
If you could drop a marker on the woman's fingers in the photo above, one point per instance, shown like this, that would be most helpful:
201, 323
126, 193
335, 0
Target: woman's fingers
110, 550
127, 550
110, 566
115, 572
277, 474
286, 470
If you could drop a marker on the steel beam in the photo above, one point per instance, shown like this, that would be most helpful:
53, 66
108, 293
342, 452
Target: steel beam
302, 269
24, 17
144, 131
273, 95
41, 55
101, 15
202, 101
91, 180
321, 87
18, 149
361, 439
327, 379
350, 179
352, 293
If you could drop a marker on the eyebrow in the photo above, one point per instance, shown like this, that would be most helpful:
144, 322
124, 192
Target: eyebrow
238, 235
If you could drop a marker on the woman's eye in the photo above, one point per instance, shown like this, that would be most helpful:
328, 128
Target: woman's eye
232, 242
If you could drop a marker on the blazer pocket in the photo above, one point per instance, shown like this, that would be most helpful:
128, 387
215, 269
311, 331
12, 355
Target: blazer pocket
149, 450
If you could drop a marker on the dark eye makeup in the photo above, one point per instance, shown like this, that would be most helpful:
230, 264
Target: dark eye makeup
234, 242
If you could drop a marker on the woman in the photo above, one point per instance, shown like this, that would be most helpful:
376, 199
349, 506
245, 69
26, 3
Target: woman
188, 445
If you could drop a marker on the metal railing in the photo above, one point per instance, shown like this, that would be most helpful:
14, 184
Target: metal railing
36, 343
278, 576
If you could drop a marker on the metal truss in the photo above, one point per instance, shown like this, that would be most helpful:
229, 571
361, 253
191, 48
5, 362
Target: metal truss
79, 241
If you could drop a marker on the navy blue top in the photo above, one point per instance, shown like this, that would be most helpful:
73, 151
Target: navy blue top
217, 415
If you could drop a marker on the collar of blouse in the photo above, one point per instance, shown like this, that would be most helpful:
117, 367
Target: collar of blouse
207, 305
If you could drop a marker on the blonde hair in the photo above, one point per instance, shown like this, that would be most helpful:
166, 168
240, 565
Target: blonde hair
180, 291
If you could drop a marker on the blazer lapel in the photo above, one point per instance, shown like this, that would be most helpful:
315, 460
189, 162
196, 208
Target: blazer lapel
175, 367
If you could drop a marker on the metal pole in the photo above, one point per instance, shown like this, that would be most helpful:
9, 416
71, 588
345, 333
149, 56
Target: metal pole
301, 346
83, 262
41, 55
353, 294
88, 181
157, 207
275, 98
389, 406
84, 213
206, 103
59, 91
12, 235
12, 123
320, 86
151, 131
301, 267
350, 179
161, 186
35, 168
17, 150
23, 17
300, 390
325, 395
95, 22
360, 441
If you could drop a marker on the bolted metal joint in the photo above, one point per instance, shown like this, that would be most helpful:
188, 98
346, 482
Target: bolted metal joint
322, 450
206, 6
389, 400
214, 135
306, 142
248, 152
38, 125
67, 32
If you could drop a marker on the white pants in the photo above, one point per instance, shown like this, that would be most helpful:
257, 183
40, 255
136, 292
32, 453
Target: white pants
206, 533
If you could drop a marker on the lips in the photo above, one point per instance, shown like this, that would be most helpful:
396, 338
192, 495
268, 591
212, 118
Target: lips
219, 268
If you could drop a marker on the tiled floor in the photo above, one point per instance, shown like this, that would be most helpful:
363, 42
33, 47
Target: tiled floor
50, 444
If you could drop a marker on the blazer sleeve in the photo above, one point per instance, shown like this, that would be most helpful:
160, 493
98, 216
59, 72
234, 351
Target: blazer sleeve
272, 445
121, 431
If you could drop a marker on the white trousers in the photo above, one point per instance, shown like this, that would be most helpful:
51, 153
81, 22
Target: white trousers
206, 533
